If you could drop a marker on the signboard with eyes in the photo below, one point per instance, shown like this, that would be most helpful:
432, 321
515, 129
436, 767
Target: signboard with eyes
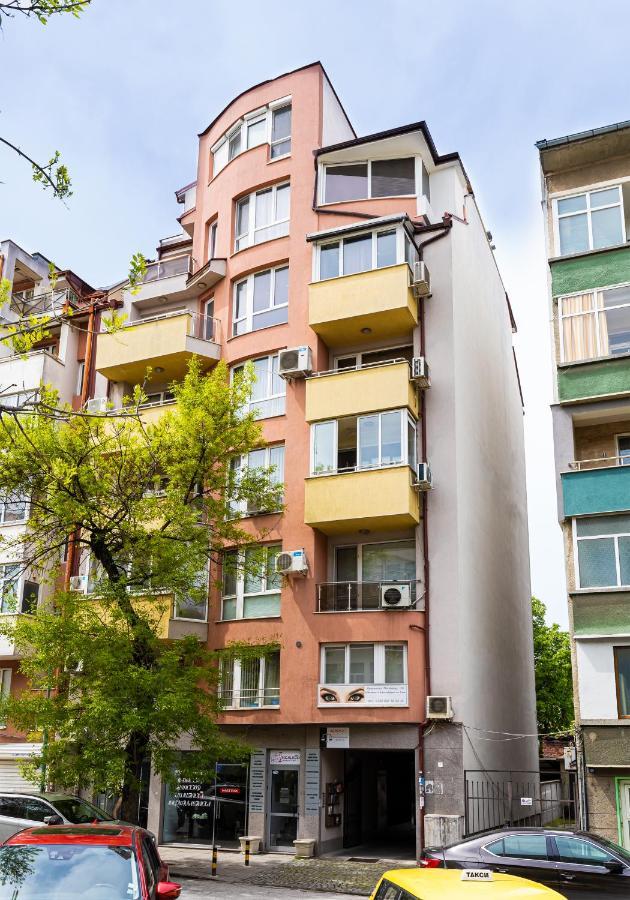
362, 695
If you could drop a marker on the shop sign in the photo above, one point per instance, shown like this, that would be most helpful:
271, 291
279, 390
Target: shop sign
257, 782
229, 791
284, 757
362, 695
189, 795
337, 738
311, 783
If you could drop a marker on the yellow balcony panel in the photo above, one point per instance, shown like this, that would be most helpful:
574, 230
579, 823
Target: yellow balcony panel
352, 392
168, 341
380, 300
160, 611
378, 499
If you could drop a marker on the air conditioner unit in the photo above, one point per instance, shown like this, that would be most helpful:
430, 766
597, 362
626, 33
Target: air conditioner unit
291, 562
439, 707
97, 405
395, 596
79, 584
420, 372
295, 363
421, 279
423, 480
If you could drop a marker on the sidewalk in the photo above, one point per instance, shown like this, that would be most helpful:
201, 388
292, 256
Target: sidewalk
338, 875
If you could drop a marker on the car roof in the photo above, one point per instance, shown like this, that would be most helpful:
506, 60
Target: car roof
447, 884
502, 831
40, 795
101, 835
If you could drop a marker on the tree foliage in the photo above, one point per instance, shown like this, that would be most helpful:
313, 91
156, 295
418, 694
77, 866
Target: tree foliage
554, 685
148, 508
42, 10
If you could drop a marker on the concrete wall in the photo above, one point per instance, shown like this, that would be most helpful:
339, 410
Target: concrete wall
596, 678
602, 805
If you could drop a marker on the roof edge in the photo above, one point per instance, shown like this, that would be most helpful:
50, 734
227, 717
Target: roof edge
548, 143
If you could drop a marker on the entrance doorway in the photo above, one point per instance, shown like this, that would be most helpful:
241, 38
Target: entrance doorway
283, 808
379, 802
624, 796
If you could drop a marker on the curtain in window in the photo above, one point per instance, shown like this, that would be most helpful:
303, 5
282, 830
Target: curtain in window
579, 328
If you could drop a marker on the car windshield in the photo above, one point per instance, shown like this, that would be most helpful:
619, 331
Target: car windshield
80, 812
64, 871
616, 849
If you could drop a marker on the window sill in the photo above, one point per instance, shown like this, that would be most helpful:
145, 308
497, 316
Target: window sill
247, 619
255, 331
613, 589
586, 253
9, 524
184, 619
592, 360
280, 237
365, 199
249, 709
362, 272
276, 159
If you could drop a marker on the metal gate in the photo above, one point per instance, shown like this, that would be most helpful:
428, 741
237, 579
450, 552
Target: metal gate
496, 798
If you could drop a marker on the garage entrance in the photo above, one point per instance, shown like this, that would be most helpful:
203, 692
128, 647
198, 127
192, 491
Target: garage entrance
379, 803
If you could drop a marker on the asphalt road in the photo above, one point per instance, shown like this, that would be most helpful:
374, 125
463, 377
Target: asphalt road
200, 890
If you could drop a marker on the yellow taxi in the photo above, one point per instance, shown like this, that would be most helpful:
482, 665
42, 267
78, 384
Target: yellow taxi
458, 884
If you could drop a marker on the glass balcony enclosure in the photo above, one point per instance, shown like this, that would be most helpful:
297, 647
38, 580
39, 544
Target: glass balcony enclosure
356, 443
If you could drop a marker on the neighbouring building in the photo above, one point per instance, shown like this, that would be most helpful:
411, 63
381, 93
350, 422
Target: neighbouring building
586, 206
344, 267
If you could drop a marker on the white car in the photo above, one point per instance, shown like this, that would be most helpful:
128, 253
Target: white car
21, 810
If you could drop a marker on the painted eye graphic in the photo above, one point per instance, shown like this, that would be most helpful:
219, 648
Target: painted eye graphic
356, 696
328, 696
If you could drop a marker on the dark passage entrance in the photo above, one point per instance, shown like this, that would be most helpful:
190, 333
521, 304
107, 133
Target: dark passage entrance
379, 802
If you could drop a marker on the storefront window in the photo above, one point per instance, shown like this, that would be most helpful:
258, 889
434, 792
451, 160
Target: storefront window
194, 809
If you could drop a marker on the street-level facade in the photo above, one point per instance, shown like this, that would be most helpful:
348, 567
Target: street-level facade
586, 204
343, 268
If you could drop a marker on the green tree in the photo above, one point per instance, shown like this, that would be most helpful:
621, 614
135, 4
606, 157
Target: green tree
147, 508
552, 662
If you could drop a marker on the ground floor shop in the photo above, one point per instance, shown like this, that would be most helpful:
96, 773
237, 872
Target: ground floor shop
12, 755
353, 788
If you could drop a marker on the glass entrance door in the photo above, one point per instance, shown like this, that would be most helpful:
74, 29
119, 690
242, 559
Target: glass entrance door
624, 790
283, 808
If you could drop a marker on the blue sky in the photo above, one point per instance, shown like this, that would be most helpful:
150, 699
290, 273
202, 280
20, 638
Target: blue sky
124, 90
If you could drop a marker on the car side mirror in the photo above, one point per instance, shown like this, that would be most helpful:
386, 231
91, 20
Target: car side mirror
614, 867
168, 890
53, 820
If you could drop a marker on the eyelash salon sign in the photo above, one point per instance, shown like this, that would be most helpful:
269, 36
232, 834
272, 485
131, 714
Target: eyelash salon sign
362, 695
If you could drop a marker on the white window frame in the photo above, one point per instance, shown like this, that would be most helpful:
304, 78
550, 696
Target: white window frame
358, 357
587, 212
274, 108
404, 443
250, 316
19, 582
378, 660
236, 666
577, 540
595, 311
368, 162
4, 502
80, 376
252, 404
359, 548
241, 125
241, 464
619, 456
402, 236
249, 236
213, 228
5, 689
240, 594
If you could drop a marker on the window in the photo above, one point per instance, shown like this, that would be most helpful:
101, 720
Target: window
21, 398
595, 324
603, 551
374, 178
364, 663
195, 604
623, 449
261, 300
269, 390
9, 587
264, 458
157, 398
574, 850
209, 323
590, 221
373, 357
251, 683
251, 587
359, 570
363, 252
364, 442
5, 690
212, 239
262, 216
622, 676
520, 846
270, 124
13, 508
281, 131
78, 388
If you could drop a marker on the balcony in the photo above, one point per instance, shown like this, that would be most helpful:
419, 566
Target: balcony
356, 308
352, 392
7, 646
174, 279
364, 596
377, 499
596, 486
50, 303
168, 342
29, 372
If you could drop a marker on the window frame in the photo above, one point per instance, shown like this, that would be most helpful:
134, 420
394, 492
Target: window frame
273, 109
587, 212
250, 234
204, 579
378, 660
241, 595
595, 312
236, 667
242, 125
405, 421
368, 162
213, 228
241, 509
616, 648
577, 539
359, 354
359, 547
4, 502
251, 405
250, 316
620, 456
6, 675
20, 582
402, 240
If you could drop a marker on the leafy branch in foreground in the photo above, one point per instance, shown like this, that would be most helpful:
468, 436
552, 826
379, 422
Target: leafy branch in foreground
42, 9
51, 175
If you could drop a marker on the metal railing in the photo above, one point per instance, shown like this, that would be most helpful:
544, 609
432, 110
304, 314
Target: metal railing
360, 368
249, 698
365, 596
495, 799
601, 462
166, 268
49, 303
204, 328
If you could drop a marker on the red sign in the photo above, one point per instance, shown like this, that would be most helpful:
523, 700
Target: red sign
229, 790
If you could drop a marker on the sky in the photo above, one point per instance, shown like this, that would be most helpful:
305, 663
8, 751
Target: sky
123, 92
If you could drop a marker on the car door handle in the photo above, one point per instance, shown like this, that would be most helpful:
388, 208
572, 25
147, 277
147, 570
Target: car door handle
567, 877
503, 871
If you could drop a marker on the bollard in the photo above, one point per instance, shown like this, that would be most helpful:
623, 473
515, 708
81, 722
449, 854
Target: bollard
214, 860
247, 845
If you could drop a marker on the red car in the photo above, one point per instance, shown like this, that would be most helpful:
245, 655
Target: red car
94, 862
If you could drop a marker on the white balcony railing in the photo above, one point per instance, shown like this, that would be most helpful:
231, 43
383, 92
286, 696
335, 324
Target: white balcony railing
166, 268
601, 462
249, 698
